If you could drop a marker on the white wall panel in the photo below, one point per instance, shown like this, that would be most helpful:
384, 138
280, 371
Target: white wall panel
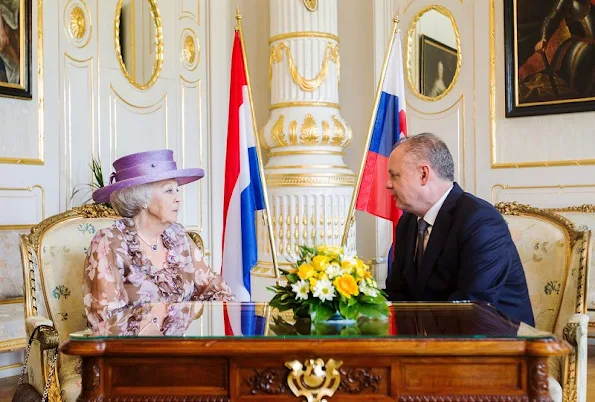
78, 129
137, 127
22, 205
192, 151
450, 126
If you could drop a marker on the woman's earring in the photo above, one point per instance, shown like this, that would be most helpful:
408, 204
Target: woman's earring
145, 206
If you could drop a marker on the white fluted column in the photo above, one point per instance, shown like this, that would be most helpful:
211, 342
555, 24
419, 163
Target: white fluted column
309, 185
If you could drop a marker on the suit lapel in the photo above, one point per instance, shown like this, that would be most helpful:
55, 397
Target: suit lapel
438, 238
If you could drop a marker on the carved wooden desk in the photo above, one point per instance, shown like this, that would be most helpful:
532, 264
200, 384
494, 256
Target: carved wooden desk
425, 352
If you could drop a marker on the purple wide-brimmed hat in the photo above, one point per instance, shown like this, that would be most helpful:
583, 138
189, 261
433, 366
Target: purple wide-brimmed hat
143, 168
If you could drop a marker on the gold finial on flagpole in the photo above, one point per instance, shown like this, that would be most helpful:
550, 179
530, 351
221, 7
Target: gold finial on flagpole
396, 19
238, 18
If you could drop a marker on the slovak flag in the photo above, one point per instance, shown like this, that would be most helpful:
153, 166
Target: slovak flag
243, 194
389, 126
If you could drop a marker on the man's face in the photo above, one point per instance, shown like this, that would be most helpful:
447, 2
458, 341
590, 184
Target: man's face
405, 180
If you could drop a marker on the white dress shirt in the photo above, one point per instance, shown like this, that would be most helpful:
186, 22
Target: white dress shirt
430, 216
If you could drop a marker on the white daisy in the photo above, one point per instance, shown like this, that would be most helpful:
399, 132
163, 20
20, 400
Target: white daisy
301, 289
333, 270
367, 290
324, 290
350, 257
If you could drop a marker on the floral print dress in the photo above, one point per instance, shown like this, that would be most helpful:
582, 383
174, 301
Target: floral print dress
120, 283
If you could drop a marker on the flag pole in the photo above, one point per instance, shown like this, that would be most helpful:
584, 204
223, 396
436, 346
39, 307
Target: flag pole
351, 213
267, 216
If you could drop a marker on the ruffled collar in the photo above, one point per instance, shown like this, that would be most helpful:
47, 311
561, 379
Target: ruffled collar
168, 279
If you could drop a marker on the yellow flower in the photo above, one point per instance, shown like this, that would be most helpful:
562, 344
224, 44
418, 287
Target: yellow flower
322, 275
347, 267
306, 271
320, 262
313, 282
346, 286
332, 251
360, 271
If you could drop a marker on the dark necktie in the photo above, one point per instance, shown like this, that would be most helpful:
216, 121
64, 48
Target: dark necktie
422, 227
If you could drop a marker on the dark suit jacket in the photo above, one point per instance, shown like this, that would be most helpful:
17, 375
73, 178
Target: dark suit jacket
469, 256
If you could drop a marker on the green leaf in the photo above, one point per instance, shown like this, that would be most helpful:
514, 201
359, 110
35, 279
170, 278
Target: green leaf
373, 310
348, 311
322, 312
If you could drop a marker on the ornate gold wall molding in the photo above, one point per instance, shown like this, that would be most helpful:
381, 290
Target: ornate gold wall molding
190, 49
311, 5
310, 180
304, 34
411, 36
156, 17
280, 105
311, 134
331, 53
77, 23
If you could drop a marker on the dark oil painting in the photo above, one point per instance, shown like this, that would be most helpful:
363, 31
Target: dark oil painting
549, 56
438, 66
15, 48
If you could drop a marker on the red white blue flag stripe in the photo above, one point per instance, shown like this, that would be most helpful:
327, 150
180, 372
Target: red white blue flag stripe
389, 126
243, 194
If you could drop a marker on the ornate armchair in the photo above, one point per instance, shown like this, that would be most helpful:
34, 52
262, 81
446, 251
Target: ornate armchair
584, 217
555, 257
53, 256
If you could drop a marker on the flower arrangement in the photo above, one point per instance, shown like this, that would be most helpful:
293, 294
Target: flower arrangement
326, 281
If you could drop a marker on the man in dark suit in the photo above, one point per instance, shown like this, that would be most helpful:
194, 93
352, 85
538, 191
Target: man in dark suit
450, 245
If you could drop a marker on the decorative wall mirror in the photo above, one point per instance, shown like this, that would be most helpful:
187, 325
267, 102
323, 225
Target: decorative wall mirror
139, 41
433, 53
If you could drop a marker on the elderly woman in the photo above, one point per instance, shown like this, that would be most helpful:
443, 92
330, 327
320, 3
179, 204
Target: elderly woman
139, 272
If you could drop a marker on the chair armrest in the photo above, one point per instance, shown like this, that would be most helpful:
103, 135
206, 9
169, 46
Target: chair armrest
575, 379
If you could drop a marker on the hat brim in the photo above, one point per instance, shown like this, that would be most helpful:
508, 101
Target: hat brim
182, 176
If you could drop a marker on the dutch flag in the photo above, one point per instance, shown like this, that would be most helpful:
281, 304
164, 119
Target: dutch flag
243, 194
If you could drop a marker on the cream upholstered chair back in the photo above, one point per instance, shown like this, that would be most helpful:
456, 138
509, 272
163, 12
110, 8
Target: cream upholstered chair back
554, 257
53, 260
584, 217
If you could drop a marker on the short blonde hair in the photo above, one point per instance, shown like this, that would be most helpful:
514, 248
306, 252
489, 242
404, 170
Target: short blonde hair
129, 201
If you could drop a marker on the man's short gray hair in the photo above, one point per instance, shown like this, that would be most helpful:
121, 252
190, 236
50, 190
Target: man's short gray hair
430, 148
129, 201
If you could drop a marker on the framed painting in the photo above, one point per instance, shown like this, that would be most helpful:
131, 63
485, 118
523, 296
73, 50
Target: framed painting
15, 48
549, 56
438, 64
